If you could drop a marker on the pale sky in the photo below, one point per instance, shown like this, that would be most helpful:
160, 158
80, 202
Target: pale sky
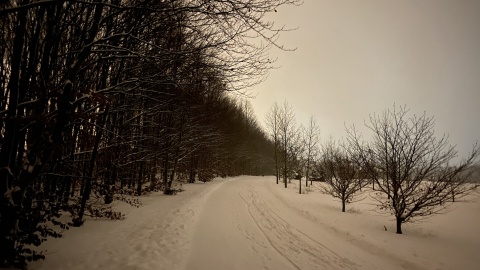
357, 57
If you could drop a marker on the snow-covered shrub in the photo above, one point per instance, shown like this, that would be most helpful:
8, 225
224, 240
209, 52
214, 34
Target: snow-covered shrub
38, 219
205, 175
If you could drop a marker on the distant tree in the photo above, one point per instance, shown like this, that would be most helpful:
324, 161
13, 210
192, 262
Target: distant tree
287, 134
343, 175
296, 155
311, 140
411, 167
273, 126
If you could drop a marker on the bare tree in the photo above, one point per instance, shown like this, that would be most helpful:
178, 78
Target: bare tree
287, 131
342, 173
311, 141
273, 124
411, 167
296, 155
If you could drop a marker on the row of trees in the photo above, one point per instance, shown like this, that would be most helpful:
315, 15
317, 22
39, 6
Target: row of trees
295, 147
99, 98
414, 173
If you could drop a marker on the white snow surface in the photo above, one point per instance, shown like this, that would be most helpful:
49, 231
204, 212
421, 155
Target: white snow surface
252, 223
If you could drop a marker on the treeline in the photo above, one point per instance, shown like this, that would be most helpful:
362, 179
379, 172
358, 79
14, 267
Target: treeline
102, 97
413, 173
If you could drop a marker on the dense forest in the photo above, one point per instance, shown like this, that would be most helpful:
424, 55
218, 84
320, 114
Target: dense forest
100, 99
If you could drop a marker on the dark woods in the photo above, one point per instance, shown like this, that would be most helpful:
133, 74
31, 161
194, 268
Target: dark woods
100, 99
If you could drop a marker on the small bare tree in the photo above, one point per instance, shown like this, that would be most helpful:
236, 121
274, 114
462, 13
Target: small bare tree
311, 146
288, 130
411, 167
296, 155
272, 120
343, 175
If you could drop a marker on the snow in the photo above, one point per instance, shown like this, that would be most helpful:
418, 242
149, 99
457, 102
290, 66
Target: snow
252, 223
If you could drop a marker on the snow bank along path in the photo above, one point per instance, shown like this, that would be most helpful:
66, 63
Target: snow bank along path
252, 223
154, 236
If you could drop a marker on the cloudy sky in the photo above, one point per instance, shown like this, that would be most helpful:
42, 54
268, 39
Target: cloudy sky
358, 57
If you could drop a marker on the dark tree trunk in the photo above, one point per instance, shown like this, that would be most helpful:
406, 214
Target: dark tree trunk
277, 173
177, 153
84, 174
66, 188
153, 180
307, 171
285, 160
140, 179
399, 225
165, 170
8, 212
88, 185
191, 178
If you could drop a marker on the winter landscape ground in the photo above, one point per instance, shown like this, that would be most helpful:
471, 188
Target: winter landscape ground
252, 223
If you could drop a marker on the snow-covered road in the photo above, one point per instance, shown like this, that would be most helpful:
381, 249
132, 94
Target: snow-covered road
251, 223
241, 227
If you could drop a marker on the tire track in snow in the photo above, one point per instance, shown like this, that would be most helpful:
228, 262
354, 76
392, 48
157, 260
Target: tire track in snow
299, 249
357, 241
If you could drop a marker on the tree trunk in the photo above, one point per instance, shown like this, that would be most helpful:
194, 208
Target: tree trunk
343, 206
153, 183
8, 212
140, 179
307, 171
177, 152
191, 177
399, 225
165, 171
277, 173
88, 185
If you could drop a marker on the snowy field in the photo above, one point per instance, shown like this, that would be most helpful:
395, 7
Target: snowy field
252, 223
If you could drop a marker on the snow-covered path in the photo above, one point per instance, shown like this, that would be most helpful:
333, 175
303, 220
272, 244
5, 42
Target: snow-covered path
227, 237
248, 224
240, 229
251, 223
248, 233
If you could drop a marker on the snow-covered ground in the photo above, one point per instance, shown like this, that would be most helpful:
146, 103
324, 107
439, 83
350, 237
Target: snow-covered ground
252, 223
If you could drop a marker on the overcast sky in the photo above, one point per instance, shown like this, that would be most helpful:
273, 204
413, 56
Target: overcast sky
357, 57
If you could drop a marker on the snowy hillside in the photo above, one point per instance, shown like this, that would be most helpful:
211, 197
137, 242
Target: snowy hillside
252, 223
